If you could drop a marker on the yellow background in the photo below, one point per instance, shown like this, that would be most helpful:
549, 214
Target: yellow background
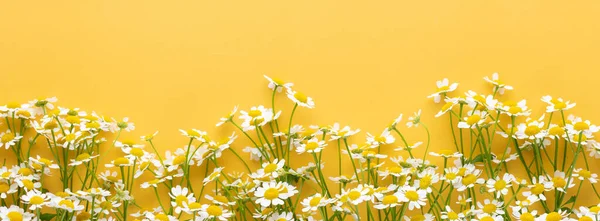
183, 64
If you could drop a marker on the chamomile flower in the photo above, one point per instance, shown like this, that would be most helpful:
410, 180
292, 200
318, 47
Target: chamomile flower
583, 174
384, 138
538, 187
490, 207
498, 85
82, 158
516, 109
227, 118
35, 199
388, 201
7, 188
450, 215
500, 186
474, 119
284, 216
213, 176
214, 212
443, 87
149, 137
15, 213
560, 183
272, 193
194, 134
356, 195
450, 103
414, 197
9, 139
275, 83
337, 132
414, 120
312, 145
556, 104
446, 153
561, 215
152, 183
300, 99
257, 116
313, 203
180, 196
67, 204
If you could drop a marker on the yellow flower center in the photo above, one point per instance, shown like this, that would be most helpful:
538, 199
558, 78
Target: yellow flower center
556, 131
24, 113
178, 160
14, 216
553, 216
13, 105
446, 152
585, 218
7, 137
162, 217
515, 110
270, 168
560, 105
443, 88
489, 208
271, 193
315, 201
28, 184
581, 126
67, 203
532, 130
73, 119
451, 176
537, 189
395, 169
469, 179
452, 215
354, 195
121, 161
473, 119
213, 210
594, 209
36, 200
106, 205
527, 217
412, 195
254, 113
417, 218
499, 185
425, 182
585, 174
180, 200
194, 205
559, 182
136, 151
301, 97
447, 106
25, 171
487, 218
389, 199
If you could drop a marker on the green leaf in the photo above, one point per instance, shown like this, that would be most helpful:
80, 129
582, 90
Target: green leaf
47, 216
479, 158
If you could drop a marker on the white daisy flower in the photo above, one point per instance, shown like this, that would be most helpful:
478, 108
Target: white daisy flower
414, 197
35, 199
272, 193
300, 99
312, 145
180, 196
498, 85
14, 213
443, 87
313, 203
9, 139
556, 104
414, 120
278, 84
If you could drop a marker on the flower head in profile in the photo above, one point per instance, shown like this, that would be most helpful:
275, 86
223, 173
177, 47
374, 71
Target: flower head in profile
227, 118
300, 99
556, 104
277, 84
414, 120
499, 86
443, 87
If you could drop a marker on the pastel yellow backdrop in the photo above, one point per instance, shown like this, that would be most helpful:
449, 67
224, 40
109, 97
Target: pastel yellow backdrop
183, 64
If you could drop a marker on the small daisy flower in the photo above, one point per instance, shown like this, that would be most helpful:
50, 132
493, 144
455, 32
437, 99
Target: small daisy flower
272, 193
227, 118
473, 120
275, 83
450, 215
500, 186
6, 188
583, 174
498, 85
388, 201
556, 104
491, 207
395, 122
559, 181
180, 197
300, 99
443, 87
518, 109
414, 120
213, 176
284, 216
385, 138
337, 132
9, 139
14, 213
414, 197
35, 199
313, 203
312, 145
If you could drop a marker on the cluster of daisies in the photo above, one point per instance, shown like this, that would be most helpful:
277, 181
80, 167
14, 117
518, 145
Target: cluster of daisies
386, 176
